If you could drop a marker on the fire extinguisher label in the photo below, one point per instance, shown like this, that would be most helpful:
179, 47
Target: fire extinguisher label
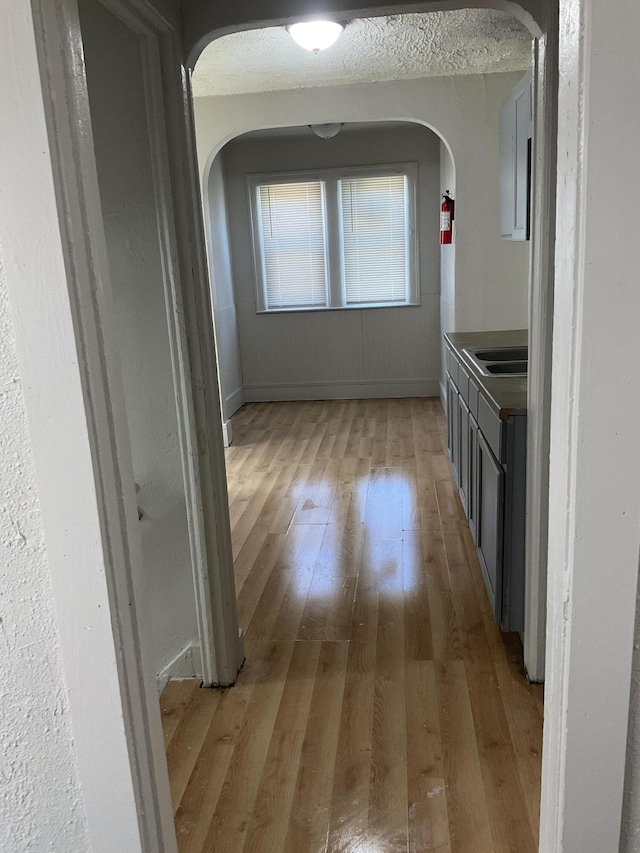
445, 220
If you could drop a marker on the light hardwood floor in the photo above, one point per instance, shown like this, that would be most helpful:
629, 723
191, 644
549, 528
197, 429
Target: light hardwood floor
380, 710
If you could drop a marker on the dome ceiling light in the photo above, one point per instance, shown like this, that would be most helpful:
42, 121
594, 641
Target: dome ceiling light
327, 131
315, 35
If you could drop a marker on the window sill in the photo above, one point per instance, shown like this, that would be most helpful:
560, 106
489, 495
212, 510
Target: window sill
325, 308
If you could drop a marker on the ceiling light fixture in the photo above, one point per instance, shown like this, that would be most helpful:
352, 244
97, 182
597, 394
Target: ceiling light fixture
315, 35
327, 131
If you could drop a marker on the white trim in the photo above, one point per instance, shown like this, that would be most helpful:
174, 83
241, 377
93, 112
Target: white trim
343, 390
226, 644
227, 433
594, 475
234, 401
222, 649
541, 278
186, 664
181, 372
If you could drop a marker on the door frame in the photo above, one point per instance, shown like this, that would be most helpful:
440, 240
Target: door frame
540, 278
541, 290
188, 311
154, 55
192, 342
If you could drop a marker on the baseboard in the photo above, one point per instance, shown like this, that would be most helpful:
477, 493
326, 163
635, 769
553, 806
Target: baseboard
186, 664
233, 402
346, 390
227, 433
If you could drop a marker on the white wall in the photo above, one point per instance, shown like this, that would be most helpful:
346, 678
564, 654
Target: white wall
224, 306
66, 779
353, 352
594, 473
41, 802
447, 264
121, 134
490, 273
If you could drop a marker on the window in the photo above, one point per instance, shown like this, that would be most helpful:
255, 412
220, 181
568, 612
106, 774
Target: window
293, 243
335, 239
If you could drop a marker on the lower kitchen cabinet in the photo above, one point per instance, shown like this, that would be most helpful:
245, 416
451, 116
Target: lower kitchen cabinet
489, 529
488, 457
453, 428
464, 483
472, 508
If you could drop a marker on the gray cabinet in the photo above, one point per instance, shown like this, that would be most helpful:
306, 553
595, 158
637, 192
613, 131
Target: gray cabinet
516, 127
488, 457
472, 513
453, 428
490, 520
464, 470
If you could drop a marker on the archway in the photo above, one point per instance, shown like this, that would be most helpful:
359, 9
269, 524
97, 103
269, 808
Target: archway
436, 113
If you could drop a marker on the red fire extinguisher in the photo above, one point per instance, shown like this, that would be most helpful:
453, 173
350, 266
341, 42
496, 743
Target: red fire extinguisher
446, 219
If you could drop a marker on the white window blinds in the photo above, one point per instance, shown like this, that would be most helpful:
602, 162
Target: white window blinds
293, 241
375, 239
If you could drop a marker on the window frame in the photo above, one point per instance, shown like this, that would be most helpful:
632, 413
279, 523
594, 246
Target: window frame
334, 253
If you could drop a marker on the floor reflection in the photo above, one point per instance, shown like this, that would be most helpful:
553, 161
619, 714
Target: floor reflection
362, 515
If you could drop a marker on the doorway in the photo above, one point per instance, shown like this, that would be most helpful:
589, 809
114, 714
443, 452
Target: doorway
285, 615
484, 285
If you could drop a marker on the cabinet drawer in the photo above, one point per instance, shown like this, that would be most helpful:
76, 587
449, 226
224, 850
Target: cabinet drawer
492, 428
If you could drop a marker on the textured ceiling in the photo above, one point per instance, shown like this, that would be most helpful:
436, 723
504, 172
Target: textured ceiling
347, 127
434, 44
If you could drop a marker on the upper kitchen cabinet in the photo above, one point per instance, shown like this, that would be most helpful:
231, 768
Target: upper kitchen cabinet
516, 126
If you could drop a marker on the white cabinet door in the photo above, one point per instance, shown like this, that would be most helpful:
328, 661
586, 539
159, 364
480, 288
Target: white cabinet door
515, 161
507, 170
522, 165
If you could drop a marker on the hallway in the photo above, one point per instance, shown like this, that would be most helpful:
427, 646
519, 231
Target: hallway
380, 709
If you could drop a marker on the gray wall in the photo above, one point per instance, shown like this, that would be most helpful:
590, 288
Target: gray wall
490, 273
343, 353
118, 112
224, 307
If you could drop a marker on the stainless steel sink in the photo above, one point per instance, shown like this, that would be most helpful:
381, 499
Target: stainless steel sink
507, 368
499, 361
500, 354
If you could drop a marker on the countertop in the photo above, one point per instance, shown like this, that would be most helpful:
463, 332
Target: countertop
506, 394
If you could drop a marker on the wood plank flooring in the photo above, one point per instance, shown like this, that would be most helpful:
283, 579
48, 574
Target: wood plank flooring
380, 709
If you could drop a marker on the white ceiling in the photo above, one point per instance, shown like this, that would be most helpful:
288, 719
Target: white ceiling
396, 47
